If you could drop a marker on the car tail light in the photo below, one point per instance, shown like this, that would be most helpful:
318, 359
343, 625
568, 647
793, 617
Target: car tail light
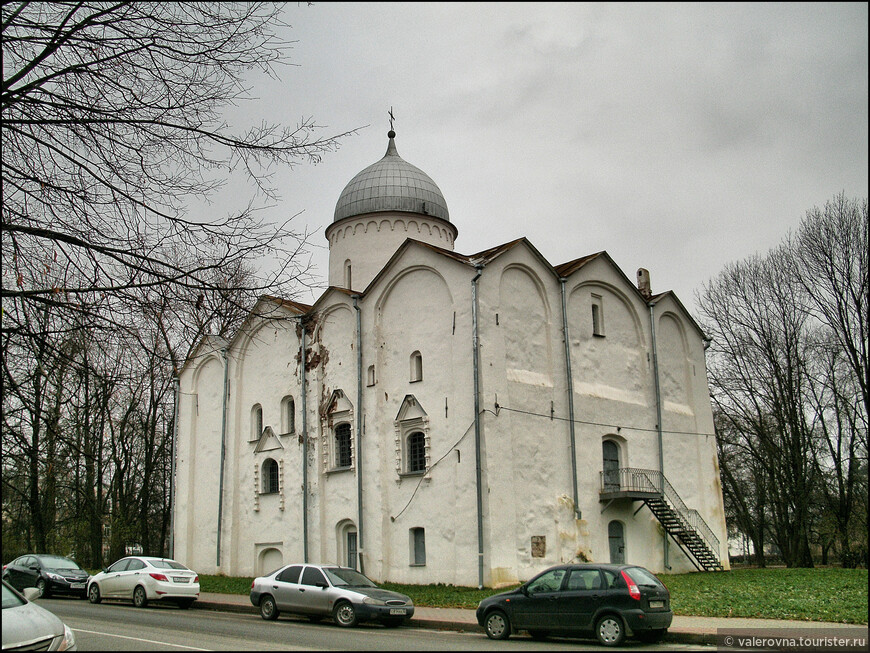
196, 579
633, 590
253, 582
159, 577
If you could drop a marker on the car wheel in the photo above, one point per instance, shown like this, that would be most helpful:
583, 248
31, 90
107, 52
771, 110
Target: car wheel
539, 634
652, 636
43, 588
344, 615
268, 609
94, 593
609, 630
184, 604
497, 625
140, 598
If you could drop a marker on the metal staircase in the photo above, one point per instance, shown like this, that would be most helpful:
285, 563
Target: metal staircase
686, 526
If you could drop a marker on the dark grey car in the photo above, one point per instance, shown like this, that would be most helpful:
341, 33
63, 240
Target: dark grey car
319, 591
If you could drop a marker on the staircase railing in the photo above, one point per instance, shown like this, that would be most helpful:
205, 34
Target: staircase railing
633, 479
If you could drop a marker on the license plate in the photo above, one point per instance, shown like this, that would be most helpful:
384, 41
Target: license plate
656, 604
181, 579
77, 586
398, 611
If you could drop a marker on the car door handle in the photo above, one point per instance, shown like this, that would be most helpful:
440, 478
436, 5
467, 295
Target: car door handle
274, 587
301, 589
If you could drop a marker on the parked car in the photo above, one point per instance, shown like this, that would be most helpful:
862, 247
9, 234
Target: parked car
50, 574
142, 579
28, 627
319, 591
609, 601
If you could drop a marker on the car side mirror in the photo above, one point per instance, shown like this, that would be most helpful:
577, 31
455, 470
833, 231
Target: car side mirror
34, 569
322, 586
524, 590
30, 593
105, 570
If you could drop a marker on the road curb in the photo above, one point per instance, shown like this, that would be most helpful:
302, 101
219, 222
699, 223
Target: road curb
681, 637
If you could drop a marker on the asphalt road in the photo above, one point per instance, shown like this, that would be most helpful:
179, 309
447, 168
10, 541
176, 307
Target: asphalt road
113, 626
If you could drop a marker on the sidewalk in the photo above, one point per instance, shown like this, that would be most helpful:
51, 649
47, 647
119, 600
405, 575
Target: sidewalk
686, 630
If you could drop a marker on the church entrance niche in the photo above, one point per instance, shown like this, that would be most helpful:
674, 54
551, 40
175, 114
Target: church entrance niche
346, 546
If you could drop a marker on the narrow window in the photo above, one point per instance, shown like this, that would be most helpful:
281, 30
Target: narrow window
256, 422
597, 316
610, 454
418, 547
288, 412
416, 452
270, 476
348, 276
351, 549
371, 375
342, 445
416, 366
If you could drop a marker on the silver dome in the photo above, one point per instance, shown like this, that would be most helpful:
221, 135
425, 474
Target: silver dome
391, 184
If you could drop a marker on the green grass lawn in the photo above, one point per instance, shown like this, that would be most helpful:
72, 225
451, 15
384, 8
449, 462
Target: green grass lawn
824, 594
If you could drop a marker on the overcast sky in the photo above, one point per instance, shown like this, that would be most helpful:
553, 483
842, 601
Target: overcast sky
675, 137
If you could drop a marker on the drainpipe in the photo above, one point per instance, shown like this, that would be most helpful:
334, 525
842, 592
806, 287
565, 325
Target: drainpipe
570, 401
176, 387
359, 477
655, 357
475, 342
304, 449
223, 454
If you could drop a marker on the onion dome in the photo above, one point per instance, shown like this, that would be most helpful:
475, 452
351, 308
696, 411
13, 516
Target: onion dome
391, 184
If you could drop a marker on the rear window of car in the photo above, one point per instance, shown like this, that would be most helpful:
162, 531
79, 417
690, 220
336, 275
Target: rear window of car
290, 575
643, 577
167, 564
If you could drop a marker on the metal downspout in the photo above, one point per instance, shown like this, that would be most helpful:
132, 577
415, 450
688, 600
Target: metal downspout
172, 453
655, 357
304, 449
359, 477
223, 455
570, 401
476, 365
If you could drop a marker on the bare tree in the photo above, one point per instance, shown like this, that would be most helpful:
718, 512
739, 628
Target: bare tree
111, 124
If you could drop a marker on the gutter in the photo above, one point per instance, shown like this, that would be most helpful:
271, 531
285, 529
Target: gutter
359, 477
176, 387
304, 448
655, 361
570, 379
223, 455
475, 343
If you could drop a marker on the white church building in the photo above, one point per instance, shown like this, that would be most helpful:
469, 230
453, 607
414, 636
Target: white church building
438, 417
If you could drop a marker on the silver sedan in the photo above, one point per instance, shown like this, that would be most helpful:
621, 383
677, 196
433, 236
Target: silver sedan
319, 591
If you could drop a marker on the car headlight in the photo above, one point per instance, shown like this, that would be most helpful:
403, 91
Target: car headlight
53, 576
69, 640
372, 601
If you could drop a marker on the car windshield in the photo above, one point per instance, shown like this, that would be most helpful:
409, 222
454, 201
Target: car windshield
341, 577
643, 577
167, 564
58, 562
10, 598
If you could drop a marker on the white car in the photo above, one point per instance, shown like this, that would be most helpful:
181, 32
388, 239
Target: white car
28, 627
142, 579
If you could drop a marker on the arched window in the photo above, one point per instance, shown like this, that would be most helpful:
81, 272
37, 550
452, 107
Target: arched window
256, 422
416, 449
270, 476
416, 366
342, 445
597, 316
288, 414
348, 276
616, 539
371, 375
610, 454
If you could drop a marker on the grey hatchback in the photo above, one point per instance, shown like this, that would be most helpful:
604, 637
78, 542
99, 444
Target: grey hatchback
605, 600
319, 591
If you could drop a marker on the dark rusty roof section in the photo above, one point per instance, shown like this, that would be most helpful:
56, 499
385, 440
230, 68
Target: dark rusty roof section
570, 267
296, 307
